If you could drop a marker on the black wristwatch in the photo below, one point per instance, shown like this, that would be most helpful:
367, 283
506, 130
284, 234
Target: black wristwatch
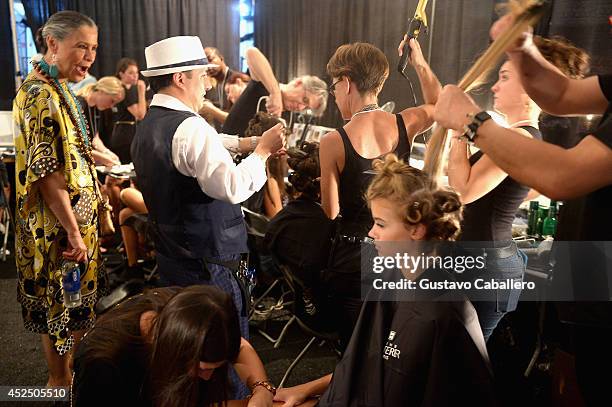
471, 129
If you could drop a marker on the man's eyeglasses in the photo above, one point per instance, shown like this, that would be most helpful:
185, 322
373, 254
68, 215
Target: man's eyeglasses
332, 88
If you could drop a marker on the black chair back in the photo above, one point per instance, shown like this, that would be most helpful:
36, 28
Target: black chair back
312, 314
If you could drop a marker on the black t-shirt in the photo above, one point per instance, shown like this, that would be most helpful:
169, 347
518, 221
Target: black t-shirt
588, 218
299, 236
123, 133
244, 109
91, 115
428, 352
121, 112
105, 129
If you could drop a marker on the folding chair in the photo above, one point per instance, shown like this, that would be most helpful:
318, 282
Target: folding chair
540, 266
257, 225
305, 315
140, 223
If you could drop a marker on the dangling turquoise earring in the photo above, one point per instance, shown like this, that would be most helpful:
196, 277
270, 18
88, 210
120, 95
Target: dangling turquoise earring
50, 70
53, 71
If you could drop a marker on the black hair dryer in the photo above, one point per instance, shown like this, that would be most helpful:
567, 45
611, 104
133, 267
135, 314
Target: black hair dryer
417, 23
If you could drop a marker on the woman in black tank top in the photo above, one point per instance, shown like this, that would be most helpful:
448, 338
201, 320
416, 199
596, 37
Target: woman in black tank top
492, 198
359, 71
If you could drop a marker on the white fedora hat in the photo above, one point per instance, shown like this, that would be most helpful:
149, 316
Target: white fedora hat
175, 54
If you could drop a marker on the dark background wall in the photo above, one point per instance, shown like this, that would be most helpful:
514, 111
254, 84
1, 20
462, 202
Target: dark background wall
586, 23
299, 36
7, 59
126, 27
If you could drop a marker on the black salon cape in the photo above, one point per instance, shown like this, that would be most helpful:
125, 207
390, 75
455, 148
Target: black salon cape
435, 356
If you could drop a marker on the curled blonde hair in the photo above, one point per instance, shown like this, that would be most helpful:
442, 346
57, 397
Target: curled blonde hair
107, 84
574, 62
419, 199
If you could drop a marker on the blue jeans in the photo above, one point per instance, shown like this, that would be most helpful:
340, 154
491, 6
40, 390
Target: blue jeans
491, 312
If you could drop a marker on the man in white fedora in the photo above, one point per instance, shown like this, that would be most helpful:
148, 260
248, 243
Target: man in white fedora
190, 184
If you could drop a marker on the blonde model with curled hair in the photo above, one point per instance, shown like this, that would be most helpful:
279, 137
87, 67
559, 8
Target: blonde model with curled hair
403, 193
426, 350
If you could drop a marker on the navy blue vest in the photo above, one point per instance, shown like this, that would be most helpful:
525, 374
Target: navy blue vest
187, 222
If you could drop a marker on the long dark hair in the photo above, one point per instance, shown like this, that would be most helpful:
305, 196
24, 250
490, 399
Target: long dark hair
193, 324
200, 324
120, 327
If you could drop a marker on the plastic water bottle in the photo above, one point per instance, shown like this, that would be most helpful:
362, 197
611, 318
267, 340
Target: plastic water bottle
71, 284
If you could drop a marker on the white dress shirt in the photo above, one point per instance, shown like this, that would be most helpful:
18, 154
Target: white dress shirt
198, 151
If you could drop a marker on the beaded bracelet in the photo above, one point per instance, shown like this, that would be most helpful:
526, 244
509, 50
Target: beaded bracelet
266, 385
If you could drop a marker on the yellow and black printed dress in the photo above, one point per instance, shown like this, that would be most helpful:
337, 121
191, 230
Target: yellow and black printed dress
46, 140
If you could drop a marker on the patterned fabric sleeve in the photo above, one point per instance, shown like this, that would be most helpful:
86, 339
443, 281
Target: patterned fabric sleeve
39, 139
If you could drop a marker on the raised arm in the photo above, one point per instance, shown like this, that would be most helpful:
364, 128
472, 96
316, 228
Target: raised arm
198, 151
471, 182
546, 85
261, 71
430, 86
553, 171
419, 119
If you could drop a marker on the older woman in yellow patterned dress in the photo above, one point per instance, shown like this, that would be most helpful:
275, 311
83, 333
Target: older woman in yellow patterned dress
57, 193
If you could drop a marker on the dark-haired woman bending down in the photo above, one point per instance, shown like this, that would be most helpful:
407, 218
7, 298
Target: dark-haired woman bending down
169, 347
